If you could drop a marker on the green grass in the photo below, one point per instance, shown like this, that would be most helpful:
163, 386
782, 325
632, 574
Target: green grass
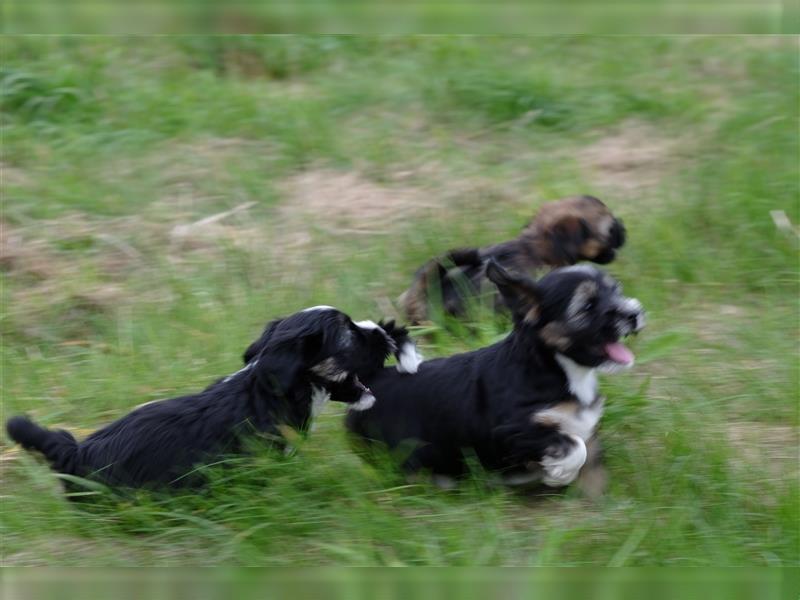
108, 144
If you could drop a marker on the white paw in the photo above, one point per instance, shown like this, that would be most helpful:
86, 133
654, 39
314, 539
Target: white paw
364, 403
561, 471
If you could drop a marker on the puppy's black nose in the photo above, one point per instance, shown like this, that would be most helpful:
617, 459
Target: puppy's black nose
636, 320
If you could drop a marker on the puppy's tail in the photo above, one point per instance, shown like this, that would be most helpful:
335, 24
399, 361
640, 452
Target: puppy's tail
414, 301
58, 446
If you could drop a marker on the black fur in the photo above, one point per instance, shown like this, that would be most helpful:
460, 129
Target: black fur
485, 403
398, 336
160, 442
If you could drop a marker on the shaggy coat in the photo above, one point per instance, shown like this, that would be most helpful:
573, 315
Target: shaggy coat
526, 407
297, 361
562, 233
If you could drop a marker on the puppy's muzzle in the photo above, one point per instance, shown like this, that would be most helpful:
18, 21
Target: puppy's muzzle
630, 316
614, 241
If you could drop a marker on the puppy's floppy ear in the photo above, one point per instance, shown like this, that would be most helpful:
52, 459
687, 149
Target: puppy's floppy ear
520, 293
567, 236
289, 349
254, 349
398, 333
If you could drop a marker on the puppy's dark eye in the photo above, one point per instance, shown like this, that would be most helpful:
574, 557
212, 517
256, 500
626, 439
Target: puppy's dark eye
589, 305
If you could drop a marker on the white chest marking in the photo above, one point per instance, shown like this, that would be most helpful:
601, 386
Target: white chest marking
576, 420
582, 381
247, 367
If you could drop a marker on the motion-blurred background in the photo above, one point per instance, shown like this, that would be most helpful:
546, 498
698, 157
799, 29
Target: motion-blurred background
162, 198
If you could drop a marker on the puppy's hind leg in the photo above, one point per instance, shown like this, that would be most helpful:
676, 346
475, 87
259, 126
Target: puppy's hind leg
593, 478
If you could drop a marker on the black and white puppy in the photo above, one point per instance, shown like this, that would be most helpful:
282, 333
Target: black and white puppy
312, 354
527, 407
399, 341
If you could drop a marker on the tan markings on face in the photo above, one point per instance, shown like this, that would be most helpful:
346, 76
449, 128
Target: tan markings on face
532, 315
591, 248
554, 335
598, 241
584, 291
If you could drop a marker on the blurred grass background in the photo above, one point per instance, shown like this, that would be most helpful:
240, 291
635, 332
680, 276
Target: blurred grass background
346, 162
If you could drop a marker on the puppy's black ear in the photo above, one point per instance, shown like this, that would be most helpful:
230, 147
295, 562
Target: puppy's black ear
397, 332
567, 238
520, 293
254, 349
290, 348
282, 364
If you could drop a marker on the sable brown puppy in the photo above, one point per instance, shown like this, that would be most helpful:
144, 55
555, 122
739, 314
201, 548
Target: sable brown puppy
526, 407
561, 234
298, 362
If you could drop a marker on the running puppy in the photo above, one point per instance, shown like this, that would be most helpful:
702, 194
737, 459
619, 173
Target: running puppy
527, 407
305, 359
561, 234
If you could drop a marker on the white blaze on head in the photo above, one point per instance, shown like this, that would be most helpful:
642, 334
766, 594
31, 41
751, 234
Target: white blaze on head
320, 307
409, 359
372, 326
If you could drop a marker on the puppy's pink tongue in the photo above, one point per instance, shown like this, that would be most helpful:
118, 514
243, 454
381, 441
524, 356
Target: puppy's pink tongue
617, 352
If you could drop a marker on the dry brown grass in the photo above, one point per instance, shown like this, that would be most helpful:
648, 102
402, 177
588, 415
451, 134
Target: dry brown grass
345, 202
629, 160
774, 449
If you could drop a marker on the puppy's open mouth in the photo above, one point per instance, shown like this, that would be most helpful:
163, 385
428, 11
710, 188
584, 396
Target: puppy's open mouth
619, 353
366, 400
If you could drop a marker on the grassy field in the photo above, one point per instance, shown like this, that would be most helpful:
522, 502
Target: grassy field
347, 162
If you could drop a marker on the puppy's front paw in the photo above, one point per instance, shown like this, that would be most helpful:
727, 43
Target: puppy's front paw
563, 464
364, 403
